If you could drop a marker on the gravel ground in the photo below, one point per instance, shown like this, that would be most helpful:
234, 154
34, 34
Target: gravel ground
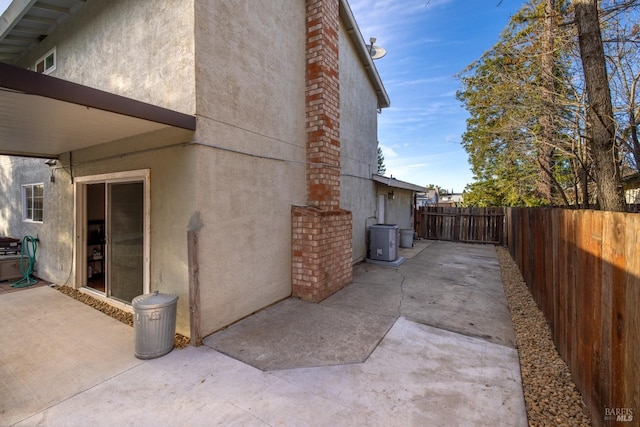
127, 318
550, 394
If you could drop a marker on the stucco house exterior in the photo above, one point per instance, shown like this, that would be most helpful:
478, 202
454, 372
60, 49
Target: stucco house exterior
451, 199
631, 185
428, 198
397, 201
221, 151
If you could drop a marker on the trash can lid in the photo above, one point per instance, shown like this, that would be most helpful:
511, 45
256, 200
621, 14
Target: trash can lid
154, 300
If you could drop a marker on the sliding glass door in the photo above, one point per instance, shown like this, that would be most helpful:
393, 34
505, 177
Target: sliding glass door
112, 219
125, 240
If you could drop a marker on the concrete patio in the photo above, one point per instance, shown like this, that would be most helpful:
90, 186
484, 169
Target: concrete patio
427, 343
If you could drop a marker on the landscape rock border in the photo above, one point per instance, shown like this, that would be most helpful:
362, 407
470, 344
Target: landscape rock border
123, 316
550, 395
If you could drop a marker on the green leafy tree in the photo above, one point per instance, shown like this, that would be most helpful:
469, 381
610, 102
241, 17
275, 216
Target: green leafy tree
522, 107
532, 136
500, 137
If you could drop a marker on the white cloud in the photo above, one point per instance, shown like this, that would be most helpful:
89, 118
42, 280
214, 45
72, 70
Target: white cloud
428, 80
453, 138
379, 18
431, 169
388, 152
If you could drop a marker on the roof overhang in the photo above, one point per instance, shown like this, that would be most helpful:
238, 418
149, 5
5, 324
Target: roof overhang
43, 116
25, 23
356, 37
395, 183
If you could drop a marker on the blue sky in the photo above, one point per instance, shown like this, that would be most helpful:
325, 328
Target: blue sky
428, 42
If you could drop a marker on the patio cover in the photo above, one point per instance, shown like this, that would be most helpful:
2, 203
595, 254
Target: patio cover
396, 183
43, 116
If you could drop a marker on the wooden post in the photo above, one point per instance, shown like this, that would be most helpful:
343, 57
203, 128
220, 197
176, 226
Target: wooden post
194, 288
456, 226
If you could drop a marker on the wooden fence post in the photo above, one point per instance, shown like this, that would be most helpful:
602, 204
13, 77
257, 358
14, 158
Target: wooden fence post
194, 288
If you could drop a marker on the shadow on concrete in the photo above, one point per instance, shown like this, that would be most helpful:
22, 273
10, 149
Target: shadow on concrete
451, 286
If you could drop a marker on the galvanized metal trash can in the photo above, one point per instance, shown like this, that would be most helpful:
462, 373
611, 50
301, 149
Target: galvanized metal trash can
406, 238
154, 323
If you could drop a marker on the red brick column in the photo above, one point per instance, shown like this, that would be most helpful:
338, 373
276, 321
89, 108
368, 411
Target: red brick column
323, 104
321, 231
321, 258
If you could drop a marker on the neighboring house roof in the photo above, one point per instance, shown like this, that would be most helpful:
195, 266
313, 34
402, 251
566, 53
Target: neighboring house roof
430, 198
392, 182
431, 193
363, 53
454, 197
75, 111
631, 180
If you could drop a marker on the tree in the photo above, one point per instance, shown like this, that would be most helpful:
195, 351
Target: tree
516, 119
546, 120
601, 126
381, 167
621, 44
532, 135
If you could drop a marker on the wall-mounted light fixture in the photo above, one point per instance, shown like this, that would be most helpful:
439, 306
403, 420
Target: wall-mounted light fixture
51, 163
391, 195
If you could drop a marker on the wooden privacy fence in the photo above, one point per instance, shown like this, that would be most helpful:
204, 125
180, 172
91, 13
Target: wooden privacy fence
471, 225
583, 270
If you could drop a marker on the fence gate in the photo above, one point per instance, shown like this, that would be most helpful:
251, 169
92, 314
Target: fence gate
472, 225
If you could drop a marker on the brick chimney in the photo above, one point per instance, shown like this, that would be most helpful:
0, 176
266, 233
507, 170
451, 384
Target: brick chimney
321, 231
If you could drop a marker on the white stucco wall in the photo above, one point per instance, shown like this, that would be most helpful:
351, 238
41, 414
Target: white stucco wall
172, 200
251, 126
247, 89
398, 210
139, 49
144, 51
358, 144
54, 251
172, 197
241, 70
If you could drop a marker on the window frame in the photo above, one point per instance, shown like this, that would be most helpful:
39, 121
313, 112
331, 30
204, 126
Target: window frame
25, 203
43, 59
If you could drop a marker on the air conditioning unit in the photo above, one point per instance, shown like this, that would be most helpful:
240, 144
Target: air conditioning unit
383, 242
